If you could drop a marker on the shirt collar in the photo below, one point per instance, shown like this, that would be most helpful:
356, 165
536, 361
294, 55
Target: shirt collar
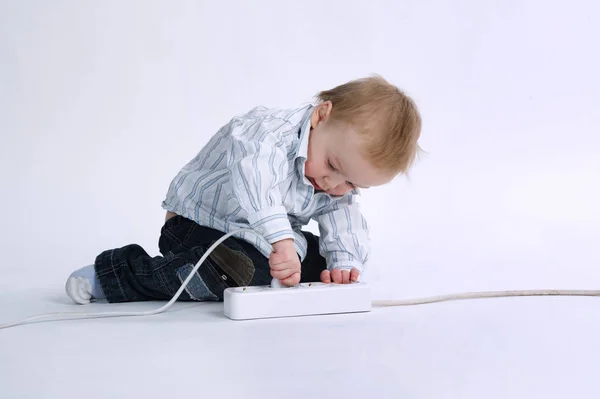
303, 137
302, 152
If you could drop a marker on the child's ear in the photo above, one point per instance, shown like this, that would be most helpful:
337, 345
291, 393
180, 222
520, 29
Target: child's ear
321, 113
325, 109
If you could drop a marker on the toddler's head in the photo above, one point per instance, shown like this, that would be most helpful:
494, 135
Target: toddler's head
363, 134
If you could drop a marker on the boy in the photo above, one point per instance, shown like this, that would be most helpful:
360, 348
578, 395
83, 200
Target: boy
271, 170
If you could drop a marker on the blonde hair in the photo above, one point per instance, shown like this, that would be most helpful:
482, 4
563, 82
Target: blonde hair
387, 118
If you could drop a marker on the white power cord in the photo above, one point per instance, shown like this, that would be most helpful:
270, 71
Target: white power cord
484, 294
379, 303
77, 315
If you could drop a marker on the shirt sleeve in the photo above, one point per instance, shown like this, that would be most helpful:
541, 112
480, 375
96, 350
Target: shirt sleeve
258, 164
344, 241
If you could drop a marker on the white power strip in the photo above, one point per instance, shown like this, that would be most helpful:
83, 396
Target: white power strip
307, 299
243, 303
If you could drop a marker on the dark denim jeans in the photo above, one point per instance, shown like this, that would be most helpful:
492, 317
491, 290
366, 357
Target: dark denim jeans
130, 274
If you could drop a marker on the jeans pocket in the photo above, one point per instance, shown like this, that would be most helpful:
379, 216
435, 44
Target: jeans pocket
234, 266
197, 289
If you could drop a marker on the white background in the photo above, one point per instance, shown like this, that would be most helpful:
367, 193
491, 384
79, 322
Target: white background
101, 103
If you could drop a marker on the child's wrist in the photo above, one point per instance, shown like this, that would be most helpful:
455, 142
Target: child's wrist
286, 243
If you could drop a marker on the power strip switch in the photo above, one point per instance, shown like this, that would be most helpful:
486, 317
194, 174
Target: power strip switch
259, 302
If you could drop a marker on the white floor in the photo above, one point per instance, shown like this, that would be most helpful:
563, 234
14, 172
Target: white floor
101, 103
492, 348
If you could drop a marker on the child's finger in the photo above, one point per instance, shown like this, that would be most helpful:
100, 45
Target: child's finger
292, 280
354, 274
282, 265
276, 259
336, 276
281, 274
345, 276
325, 277
340, 276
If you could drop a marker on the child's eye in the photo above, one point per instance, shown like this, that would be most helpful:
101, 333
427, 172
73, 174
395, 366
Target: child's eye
330, 165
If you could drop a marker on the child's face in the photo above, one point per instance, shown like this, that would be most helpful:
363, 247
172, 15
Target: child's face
335, 163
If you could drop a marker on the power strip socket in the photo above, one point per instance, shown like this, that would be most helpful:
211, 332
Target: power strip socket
258, 302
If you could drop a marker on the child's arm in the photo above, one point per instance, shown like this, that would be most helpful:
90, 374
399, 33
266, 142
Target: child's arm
258, 164
344, 241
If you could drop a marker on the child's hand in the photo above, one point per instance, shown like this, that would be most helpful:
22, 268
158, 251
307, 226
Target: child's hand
340, 276
285, 263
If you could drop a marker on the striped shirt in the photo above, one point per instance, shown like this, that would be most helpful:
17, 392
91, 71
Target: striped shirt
251, 174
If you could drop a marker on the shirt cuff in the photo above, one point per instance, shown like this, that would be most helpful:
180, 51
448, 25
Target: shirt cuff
272, 223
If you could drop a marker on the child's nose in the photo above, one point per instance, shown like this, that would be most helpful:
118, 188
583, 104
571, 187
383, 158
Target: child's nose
338, 183
335, 181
